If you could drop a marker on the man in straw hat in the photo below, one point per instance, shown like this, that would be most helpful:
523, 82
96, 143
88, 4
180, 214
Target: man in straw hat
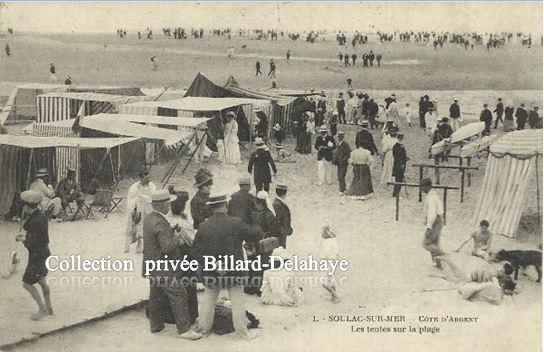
138, 206
283, 215
241, 201
222, 236
50, 203
36, 240
325, 145
161, 243
260, 163
434, 221
199, 209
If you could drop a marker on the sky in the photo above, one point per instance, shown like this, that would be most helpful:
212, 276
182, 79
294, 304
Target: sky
367, 17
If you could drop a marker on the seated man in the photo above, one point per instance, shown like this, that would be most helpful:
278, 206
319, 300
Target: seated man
482, 241
50, 204
68, 190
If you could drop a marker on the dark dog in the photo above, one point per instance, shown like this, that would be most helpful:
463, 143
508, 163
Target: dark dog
520, 259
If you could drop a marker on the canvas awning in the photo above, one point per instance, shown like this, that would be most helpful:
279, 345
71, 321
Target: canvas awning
518, 144
31, 142
199, 103
189, 122
110, 124
90, 96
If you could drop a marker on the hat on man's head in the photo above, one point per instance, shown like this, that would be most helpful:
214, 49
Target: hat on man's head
244, 181
259, 142
202, 177
258, 110
230, 114
364, 123
322, 128
341, 133
71, 170
31, 197
217, 198
281, 186
162, 196
262, 195
42, 172
335, 113
445, 119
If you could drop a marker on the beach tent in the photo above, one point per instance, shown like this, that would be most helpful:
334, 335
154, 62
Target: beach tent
21, 156
57, 106
512, 163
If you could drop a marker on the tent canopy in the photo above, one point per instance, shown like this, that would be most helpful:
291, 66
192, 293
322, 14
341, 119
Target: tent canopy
90, 96
31, 142
200, 103
189, 122
236, 90
110, 124
518, 144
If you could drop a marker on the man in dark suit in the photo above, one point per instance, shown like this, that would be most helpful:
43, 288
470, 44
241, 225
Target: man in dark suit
199, 210
487, 118
372, 112
521, 116
534, 119
241, 201
499, 110
455, 114
365, 139
341, 159
283, 215
260, 162
325, 145
399, 162
165, 285
222, 236
341, 108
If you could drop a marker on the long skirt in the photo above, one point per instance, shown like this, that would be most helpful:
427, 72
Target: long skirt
361, 185
232, 152
387, 169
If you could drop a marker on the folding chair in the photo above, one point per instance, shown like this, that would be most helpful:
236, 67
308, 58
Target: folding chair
82, 207
103, 200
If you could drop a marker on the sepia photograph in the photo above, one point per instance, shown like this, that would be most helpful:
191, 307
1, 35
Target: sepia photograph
271, 176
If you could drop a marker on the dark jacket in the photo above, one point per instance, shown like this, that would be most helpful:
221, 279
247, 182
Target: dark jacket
341, 104
323, 149
159, 241
443, 131
533, 118
499, 109
486, 116
222, 235
342, 154
399, 159
521, 115
283, 221
37, 237
240, 206
509, 113
455, 111
365, 139
372, 108
199, 210
259, 162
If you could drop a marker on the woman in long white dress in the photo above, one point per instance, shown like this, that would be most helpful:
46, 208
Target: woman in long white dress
388, 141
230, 140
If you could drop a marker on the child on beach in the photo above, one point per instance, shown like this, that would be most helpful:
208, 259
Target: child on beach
329, 249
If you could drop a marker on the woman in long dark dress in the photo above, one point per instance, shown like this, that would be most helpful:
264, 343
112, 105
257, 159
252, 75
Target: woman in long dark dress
361, 185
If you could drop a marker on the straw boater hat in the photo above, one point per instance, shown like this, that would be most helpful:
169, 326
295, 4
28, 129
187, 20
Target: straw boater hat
323, 128
262, 195
258, 110
259, 142
341, 133
244, 181
42, 172
281, 186
217, 198
31, 197
162, 196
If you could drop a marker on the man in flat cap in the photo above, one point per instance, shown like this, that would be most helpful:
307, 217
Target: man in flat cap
161, 243
283, 215
49, 202
241, 202
341, 160
68, 190
222, 235
36, 240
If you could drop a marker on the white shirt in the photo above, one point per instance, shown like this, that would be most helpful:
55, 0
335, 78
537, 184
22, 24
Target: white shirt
140, 196
39, 186
433, 208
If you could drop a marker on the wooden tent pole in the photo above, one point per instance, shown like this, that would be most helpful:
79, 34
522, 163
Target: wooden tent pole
537, 193
29, 168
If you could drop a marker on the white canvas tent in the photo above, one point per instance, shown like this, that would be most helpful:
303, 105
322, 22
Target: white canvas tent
511, 166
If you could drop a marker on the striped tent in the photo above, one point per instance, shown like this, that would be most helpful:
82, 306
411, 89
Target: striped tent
58, 106
510, 169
